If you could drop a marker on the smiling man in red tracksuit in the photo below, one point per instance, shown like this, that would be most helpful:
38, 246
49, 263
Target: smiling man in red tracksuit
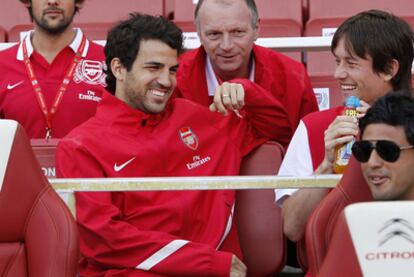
140, 133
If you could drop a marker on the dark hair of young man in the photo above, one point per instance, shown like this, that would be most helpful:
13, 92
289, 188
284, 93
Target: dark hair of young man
383, 37
394, 109
124, 39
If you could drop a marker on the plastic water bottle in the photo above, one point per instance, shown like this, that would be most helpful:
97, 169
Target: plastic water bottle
343, 152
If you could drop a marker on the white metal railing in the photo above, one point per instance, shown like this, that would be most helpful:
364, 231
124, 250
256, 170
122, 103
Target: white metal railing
67, 187
193, 183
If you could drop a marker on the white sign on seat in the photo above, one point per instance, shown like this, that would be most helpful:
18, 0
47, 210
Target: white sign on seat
7, 132
383, 237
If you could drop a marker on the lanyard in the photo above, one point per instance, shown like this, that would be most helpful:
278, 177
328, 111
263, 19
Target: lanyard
62, 89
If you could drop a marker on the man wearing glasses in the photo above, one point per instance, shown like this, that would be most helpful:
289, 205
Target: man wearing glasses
385, 150
386, 155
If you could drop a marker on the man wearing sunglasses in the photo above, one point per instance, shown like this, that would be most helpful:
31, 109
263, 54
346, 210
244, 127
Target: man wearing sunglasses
386, 147
374, 53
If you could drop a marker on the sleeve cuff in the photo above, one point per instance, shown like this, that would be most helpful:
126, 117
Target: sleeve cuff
221, 263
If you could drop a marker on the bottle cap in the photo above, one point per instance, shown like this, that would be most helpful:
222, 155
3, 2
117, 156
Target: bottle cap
352, 102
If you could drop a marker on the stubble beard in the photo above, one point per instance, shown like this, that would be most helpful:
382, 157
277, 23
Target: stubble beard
54, 30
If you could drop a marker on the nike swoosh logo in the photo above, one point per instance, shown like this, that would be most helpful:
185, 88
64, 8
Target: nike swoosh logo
14, 85
118, 168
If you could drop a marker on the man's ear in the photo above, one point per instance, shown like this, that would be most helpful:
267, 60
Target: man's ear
118, 69
392, 70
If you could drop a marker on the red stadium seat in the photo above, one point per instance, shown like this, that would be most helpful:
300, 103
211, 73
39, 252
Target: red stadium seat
324, 17
13, 13
328, 90
97, 24
38, 235
351, 189
277, 18
95, 18
109, 11
372, 239
44, 151
2, 34
326, 14
16, 33
343, 265
93, 31
258, 218
182, 13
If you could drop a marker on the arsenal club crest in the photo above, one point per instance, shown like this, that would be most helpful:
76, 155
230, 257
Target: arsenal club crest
90, 72
189, 138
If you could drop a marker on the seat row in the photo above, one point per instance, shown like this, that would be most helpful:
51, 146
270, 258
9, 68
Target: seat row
291, 18
256, 217
278, 18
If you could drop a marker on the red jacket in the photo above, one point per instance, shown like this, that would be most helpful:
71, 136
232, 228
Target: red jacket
284, 78
316, 124
167, 233
18, 100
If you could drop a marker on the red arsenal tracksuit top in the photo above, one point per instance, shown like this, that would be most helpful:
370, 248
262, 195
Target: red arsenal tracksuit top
183, 233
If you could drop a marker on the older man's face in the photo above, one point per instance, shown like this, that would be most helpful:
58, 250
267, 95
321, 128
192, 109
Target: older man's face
227, 34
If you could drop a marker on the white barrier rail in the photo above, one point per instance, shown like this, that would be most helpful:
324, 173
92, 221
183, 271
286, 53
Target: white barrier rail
193, 183
66, 187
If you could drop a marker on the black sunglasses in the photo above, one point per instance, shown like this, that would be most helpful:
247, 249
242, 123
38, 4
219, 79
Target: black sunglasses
387, 150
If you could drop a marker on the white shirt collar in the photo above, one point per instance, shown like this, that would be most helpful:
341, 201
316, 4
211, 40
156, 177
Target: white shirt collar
75, 44
212, 82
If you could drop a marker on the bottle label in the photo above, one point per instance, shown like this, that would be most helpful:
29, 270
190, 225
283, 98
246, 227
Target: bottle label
351, 112
344, 154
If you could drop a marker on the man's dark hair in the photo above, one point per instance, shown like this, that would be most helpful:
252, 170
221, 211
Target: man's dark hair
124, 40
251, 5
382, 36
31, 11
395, 109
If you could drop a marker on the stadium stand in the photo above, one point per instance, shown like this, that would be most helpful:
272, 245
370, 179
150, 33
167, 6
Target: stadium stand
324, 17
92, 30
13, 13
94, 24
41, 237
257, 216
277, 18
373, 239
351, 189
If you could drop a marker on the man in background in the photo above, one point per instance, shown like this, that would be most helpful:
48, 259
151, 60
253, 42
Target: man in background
52, 80
227, 31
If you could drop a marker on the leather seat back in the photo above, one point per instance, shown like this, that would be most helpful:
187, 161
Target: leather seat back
351, 189
373, 239
258, 218
38, 235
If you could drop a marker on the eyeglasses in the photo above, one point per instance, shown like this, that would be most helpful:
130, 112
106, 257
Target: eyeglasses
387, 150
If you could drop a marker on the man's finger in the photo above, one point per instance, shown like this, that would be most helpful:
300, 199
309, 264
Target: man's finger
218, 100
